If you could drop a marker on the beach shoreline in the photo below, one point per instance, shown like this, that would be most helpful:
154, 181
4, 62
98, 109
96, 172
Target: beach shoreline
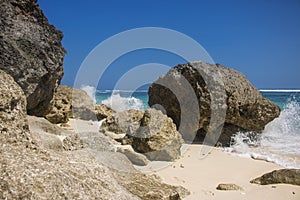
202, 176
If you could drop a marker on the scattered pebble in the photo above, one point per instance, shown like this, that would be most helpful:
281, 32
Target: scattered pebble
181, 166
293, 192
273, 186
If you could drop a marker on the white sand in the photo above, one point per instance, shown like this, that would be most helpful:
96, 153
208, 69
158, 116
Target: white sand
201, 176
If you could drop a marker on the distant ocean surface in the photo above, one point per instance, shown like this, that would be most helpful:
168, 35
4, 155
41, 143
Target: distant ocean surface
279, 143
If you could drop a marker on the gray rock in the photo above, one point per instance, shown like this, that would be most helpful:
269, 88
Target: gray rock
157, 137
97, 141
31, 52
53, 137
68, 103
228, 186
288, 176
120, 122
134, 157
218, 93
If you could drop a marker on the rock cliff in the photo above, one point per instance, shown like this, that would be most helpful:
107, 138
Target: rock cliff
31, 52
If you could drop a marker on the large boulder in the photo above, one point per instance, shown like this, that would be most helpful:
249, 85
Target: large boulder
287, 176
31, 52
68, 103
120, 122
13, 124
157, 137
103, 111
222, 96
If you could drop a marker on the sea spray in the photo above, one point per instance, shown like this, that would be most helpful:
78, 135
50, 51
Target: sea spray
278, 143
121, 103
90, 90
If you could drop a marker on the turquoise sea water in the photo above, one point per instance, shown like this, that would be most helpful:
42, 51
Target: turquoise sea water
279, 143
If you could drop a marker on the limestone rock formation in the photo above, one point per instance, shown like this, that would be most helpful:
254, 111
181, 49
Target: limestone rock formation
134, 157
157, 137
222, 96
120, 122
103, 111
31, 52
52, 136
13, 125
288, 176
29, 171
68, 103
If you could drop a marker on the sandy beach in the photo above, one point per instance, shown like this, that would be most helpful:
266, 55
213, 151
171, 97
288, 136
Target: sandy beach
201, 176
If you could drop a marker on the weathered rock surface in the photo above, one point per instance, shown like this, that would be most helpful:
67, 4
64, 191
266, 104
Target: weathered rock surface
13, 125
217, 90
134, 157
29, 171
97, 141
157, 137
121, 122
103, 111
228, 186
31, 52
68, 103
288, 176
52, 136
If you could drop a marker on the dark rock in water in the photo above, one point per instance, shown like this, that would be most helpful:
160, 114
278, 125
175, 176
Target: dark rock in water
157, 137
31, 52
288, 176
201, 98
68, 103
228, 186
13, 124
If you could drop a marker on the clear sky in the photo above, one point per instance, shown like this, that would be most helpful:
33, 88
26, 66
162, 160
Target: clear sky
259, 38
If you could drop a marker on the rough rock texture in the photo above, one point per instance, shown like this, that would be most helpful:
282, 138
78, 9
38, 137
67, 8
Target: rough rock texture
29, 171
222, 94
31, 52
157, 137
68, 103
134, 157
103, 111
120, 122
228, 186
288, 176
97, 141
52, 136
13, 125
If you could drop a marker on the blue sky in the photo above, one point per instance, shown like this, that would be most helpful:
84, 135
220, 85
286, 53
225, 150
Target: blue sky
259, 38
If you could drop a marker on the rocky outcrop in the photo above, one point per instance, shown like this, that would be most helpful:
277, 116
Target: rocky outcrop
30, 171
13, 124
157, 137
228, 186
134, 157
103, 111
121, 122
288, 176
31, 52
201, 98
53, 137
68, 103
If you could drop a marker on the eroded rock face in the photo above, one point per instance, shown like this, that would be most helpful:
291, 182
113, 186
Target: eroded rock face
288, 176
68, 103
120, 122
31, 52
103, 111
157, 137
244, 107
13, 125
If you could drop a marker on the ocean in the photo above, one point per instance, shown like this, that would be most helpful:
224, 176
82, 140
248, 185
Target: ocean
279, 142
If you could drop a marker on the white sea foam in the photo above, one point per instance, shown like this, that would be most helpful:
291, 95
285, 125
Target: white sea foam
119, 103
90, 90
279, 142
